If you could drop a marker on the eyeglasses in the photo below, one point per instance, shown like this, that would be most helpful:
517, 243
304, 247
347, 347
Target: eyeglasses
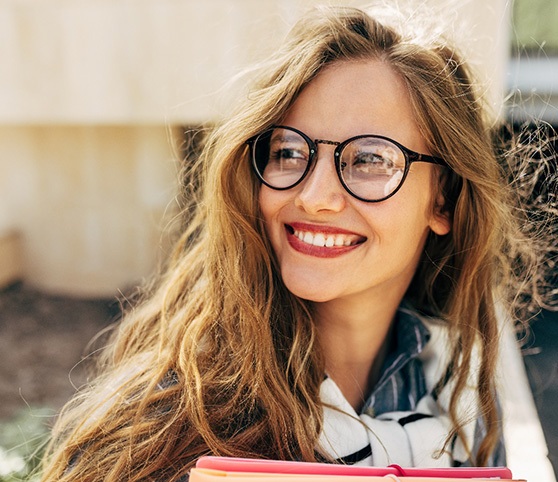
371, 168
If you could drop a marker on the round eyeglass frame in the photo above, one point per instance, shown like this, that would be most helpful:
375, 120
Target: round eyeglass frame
409, 155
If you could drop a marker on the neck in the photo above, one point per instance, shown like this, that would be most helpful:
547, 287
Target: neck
355, 344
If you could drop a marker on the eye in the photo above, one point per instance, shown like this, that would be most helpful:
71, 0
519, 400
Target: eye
286, 154
372, 162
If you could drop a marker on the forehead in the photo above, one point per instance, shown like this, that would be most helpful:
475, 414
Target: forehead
349, 98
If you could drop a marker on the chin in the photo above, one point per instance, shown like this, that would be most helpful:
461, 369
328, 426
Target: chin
308, 294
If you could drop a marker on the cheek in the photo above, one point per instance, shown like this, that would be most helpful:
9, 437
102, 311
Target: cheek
265, 204
421, 201
403, 221
270, 203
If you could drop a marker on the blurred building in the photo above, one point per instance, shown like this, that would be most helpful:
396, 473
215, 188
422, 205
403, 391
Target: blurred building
93, 97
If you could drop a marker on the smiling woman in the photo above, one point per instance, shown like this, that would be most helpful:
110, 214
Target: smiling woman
385, 239
335, 294
358, 286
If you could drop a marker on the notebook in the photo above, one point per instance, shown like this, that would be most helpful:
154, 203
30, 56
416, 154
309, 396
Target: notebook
213, 469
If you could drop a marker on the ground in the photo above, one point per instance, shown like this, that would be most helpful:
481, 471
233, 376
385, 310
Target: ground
44, 338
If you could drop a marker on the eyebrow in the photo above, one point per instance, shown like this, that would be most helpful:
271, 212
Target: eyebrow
284, 137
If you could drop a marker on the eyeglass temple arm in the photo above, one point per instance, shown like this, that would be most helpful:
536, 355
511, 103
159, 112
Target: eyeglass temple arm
416, 157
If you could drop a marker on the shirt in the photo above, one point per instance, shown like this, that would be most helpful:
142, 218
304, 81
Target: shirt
402, 382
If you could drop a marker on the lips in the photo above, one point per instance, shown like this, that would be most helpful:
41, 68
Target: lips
322, 241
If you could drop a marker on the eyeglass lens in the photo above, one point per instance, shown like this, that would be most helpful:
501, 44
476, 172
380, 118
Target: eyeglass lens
371, 168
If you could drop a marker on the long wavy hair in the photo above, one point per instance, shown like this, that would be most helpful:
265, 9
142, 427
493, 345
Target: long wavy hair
218, 357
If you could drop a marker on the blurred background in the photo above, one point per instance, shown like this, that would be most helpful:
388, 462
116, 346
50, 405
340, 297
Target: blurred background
98, 99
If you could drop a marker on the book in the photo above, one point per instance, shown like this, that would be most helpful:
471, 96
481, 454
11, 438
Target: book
213, 469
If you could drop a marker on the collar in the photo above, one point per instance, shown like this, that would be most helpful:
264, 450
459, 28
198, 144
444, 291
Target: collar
410, 338
402, 378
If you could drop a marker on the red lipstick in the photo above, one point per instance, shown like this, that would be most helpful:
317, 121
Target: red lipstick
322, 241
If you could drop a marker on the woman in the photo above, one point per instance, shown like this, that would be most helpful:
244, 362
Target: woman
333, 296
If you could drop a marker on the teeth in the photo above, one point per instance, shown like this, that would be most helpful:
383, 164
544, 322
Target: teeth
324, 240
319, 240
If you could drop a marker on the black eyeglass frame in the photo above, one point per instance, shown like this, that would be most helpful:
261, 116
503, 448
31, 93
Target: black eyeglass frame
410, 157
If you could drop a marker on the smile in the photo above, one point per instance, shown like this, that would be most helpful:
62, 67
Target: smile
327, 240
325, 237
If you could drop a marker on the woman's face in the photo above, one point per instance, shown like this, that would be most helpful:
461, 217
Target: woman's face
376, 246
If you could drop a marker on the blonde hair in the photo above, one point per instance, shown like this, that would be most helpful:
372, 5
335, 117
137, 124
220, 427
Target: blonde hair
220, 358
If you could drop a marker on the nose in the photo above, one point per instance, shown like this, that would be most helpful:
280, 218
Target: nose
321, 190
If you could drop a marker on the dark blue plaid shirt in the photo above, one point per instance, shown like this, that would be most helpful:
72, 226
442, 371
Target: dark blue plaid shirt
402, 382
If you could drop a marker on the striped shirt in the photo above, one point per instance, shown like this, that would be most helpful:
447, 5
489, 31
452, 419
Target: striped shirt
402, 382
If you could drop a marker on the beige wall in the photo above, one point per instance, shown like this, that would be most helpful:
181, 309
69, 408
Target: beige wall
88, 90
129, 61
88, 200
153, 61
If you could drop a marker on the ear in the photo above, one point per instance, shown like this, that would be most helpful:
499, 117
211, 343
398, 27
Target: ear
440, 221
